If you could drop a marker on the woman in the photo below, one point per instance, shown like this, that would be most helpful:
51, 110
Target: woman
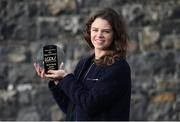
100, 87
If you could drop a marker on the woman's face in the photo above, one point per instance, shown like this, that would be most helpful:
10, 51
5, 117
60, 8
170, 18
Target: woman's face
101, 34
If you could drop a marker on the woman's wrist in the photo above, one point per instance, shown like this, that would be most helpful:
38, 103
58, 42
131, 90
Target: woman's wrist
65, 74
56, 82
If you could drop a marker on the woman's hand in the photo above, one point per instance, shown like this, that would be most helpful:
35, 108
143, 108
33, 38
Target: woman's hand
56, 75
40, 71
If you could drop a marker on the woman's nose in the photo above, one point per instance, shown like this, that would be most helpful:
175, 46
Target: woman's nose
100, 34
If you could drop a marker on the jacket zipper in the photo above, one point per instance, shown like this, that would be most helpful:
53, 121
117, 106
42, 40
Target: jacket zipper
81, 71
88, 71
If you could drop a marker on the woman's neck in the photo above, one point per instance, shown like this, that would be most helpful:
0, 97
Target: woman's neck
100, 53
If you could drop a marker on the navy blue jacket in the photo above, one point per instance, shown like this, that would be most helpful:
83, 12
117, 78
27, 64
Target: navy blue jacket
95, 92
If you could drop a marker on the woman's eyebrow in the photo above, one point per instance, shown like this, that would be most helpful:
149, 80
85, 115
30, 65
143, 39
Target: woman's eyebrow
94, 27
109, 29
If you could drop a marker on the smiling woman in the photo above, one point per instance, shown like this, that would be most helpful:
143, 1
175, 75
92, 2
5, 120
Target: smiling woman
100, 86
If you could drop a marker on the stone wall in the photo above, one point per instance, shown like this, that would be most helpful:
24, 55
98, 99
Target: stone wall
154, 54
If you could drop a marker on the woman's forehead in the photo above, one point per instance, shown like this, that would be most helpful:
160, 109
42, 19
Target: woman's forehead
101, 23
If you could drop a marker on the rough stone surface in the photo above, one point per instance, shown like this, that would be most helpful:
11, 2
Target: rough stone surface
154, 54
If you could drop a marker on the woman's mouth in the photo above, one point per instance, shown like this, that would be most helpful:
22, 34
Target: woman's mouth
99, 41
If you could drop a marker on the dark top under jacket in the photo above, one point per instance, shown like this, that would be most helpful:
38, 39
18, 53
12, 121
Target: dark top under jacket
95, 92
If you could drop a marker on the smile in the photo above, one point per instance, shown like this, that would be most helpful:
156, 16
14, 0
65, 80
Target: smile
99, 41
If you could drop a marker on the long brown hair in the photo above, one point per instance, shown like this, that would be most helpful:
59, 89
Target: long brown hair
120, 36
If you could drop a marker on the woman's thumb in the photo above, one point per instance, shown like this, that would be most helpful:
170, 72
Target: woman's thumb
61, 66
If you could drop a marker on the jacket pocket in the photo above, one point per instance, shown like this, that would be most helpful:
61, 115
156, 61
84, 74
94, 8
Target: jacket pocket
89, 83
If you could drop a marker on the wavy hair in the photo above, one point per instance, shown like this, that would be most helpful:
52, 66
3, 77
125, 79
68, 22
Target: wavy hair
120, 36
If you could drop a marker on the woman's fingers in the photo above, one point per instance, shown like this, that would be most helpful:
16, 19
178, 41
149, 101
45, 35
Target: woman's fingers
55, 74
40, 71
42, 74
61, 66
52, 71
51, 74
37, 68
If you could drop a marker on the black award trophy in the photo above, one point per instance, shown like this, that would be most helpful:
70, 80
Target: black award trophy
50, 57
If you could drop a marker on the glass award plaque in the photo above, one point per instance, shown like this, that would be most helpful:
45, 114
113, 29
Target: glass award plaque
49, 57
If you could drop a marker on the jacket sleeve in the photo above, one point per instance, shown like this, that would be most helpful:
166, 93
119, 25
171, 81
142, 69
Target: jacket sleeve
115, 82
60, 97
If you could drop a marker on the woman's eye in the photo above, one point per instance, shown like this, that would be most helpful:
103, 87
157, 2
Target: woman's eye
95, 30
107, 31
